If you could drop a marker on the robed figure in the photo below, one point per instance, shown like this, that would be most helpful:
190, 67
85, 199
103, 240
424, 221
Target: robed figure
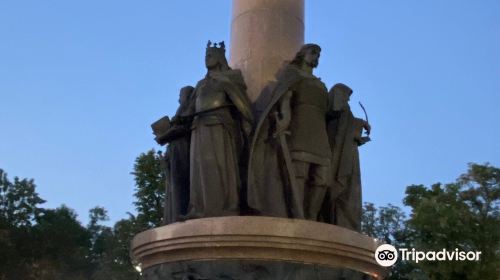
221, 123
178, 160
177, 134
290, 156
343, 205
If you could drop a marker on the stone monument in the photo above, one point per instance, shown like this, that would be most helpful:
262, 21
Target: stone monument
273, 189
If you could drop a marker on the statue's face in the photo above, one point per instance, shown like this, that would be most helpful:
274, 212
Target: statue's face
184, 95
182, 98
311, 57
211, 60
340, 100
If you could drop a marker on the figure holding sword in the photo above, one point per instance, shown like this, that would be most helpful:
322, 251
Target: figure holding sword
294, 128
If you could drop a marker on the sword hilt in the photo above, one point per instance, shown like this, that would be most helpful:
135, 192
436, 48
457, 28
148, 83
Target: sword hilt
277, 133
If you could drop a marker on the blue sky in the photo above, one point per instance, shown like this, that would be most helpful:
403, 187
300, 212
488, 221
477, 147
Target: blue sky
81, 81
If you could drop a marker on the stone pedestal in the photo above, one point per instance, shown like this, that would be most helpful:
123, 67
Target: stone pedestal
264, 34
255, 248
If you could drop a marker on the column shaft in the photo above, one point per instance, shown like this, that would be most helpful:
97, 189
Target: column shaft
264, 33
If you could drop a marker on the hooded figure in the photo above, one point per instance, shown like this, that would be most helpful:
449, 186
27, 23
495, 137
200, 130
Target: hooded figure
343, 204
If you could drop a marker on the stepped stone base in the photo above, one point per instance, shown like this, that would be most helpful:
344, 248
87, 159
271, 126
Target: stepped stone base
255, 248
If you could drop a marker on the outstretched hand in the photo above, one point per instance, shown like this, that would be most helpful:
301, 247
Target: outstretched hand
367, 127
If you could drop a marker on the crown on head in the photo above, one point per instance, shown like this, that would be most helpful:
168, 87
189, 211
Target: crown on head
213, 47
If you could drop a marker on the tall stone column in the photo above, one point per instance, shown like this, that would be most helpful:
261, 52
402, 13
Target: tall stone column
264, 33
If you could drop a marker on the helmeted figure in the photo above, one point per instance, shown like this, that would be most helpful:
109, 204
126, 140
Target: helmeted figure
343, 205
221, 123
290, 155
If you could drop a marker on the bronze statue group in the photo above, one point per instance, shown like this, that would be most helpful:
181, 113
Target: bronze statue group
297, 159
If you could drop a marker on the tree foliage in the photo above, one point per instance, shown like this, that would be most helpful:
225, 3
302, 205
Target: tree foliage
43, 244
111, 251
150, 188
388, 224
19, 202
111, 245
462, 215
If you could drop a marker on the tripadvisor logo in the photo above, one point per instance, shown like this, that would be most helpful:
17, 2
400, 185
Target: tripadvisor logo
387, 255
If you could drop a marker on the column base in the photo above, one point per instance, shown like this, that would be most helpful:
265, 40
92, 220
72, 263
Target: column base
252, 247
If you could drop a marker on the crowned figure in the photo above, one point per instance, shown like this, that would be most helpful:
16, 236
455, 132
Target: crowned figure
221, 124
